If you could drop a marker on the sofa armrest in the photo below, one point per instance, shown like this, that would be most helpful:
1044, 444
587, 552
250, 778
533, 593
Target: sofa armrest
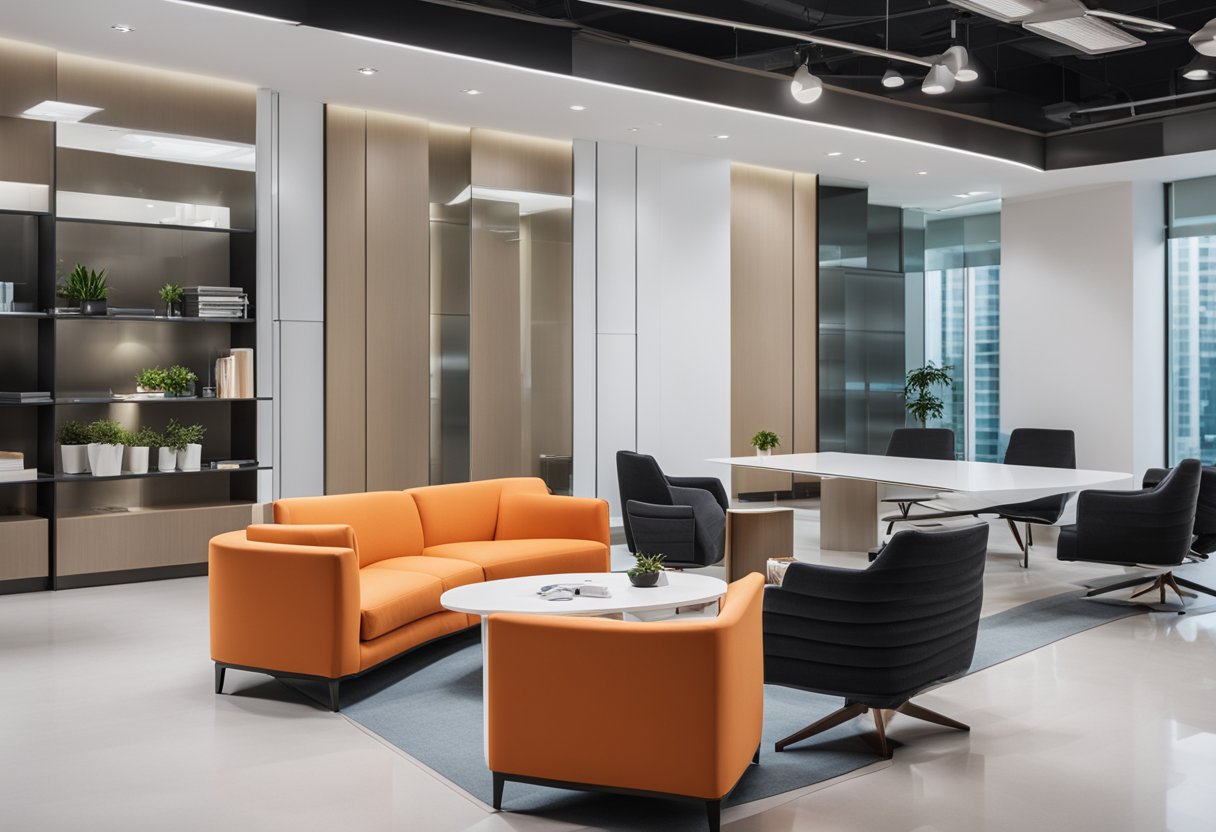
528, 516
333, 536
287, 608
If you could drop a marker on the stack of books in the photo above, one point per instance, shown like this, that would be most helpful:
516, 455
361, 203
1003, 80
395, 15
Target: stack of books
234, 375
12, 467
215, 302
24, 396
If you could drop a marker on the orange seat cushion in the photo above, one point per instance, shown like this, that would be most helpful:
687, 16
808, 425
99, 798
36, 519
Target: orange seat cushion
468, 510
386, 523
390, 598
450, 571
517, 558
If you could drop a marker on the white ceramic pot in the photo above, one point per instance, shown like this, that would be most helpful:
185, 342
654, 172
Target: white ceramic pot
75, 458
166, 460
191, 458
766, 452
137, 459
105, 460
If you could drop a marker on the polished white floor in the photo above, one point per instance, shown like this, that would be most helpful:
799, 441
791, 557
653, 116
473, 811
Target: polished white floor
108, 722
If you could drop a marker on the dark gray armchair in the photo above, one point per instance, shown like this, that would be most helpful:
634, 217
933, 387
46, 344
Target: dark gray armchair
683, 518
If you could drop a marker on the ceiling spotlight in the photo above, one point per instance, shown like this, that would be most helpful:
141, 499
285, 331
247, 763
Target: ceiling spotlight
1204, 40
939, 80
578, 108
368, 70
632, 129
722, 136
806, 88
859, 160
893, 79
922, 173
471, 92
961, 196
834, 153
122, 27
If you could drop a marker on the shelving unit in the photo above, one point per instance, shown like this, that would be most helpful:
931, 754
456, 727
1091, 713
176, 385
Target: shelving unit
64, 530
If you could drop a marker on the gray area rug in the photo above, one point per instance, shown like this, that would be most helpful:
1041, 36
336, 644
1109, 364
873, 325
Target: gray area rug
429, 705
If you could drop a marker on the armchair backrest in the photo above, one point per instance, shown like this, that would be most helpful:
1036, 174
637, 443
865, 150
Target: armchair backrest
640, 478
880, 635
922, 443
1205, 508
1153, 526
1042, 447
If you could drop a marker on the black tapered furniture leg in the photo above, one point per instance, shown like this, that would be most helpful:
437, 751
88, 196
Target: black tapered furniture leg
499, 782
219, 677
333, 695
713, 813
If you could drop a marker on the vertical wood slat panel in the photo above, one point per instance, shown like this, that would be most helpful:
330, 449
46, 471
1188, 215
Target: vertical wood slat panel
495, 360
345, 301
762, 297
806, 314
522, 163
398, 302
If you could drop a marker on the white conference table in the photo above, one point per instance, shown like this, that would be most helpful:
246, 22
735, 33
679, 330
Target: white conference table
849, 506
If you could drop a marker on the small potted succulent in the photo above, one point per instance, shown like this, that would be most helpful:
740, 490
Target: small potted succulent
106, 438
74, 447
86, 287
645, 572
173, 295
764, 441
166, 457
139, 445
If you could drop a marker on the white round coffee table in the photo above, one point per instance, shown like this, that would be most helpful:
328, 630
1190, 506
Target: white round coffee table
519, 595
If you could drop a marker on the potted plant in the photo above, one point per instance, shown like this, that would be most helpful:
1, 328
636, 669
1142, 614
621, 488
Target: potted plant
86, 287
179, 381
166, 457
150, 380
138, 444
188, 441
106, 438
173, 295
918, 398
764, 441
646, 571
73, 447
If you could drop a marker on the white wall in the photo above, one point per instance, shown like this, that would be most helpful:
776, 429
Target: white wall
1082, 294
659, 280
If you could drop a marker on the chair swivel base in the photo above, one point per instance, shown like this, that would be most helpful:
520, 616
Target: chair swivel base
1159, 584
882, 718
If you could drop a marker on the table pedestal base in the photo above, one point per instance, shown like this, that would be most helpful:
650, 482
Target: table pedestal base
848, 515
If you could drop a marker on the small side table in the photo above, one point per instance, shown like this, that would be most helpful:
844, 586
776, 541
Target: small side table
753, 535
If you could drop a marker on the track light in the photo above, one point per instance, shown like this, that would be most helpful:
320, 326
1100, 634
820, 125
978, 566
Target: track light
806, 88
1204, 40
893, 79
939, 80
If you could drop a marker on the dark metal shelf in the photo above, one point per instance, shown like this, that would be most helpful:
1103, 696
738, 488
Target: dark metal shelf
24, 315
41, 478
170, 400
159, 319
126, 224
151, 473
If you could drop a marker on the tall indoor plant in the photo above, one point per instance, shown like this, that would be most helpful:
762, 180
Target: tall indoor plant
86, 287
919, 398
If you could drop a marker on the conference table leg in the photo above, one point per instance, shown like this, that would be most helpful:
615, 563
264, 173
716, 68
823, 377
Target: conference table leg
848, 514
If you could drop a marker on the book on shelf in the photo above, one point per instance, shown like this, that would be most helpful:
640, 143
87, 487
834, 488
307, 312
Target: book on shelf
18, 475
11, 460
233, 464
23, 395
234, 375
213, 290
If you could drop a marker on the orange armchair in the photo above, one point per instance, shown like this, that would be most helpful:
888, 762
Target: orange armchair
560, 691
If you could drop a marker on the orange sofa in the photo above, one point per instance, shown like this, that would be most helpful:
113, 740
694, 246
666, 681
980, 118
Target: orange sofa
341, 584
578, 702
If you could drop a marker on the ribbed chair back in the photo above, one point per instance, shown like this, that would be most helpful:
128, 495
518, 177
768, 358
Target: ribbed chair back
1042, 447
879, 636
922, 443
640, 478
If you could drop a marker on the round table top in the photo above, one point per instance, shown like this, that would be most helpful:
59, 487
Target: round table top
519, 594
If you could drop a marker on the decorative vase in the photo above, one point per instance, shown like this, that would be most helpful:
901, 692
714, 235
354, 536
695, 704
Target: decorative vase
645, 579
173, 309
105, 460
764, 452
75, 458
93, 307
137, 459
190, 458
166, 459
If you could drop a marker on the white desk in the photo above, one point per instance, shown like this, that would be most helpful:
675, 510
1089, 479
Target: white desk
849, 499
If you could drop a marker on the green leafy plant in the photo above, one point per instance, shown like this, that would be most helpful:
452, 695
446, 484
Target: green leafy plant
192, 434
918, 396
766, 440
177, 436
646, 564
73, 433
178, 379
83, 284
145, 437
107, 432
172, 293
151, 378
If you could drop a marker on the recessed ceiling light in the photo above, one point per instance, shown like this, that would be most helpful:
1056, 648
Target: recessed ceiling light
722, 136
961, 196
471, 92
368, 70
859, 160
977, 193
150, 205
578, 108
632, 129
60, 111
122, 27
835, 153
922, 173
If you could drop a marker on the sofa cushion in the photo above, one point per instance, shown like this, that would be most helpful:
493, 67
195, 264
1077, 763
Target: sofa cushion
386, 523
517, 558
450, 571
468, 510
389, 598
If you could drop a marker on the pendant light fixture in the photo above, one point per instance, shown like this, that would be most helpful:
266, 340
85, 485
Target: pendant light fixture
892, 79
806, 87
1204, 40
940, 80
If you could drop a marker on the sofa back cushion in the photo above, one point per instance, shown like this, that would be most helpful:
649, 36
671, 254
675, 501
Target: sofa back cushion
465, 511
386, 523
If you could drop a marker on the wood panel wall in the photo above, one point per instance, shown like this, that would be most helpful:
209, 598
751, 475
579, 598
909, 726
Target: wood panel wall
774, 317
